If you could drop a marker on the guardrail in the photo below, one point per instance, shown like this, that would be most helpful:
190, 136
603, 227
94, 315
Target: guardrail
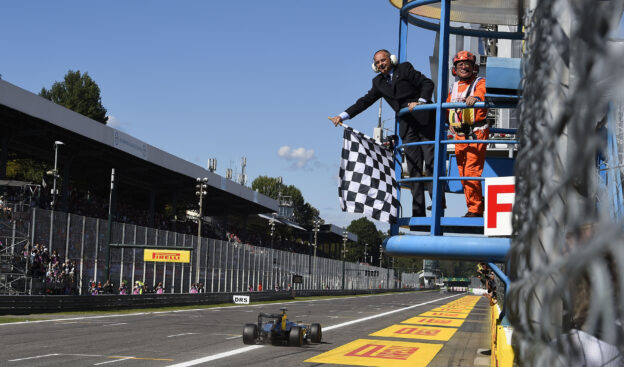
24, 305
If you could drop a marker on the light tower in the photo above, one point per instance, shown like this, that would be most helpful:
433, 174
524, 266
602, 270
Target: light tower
202, 185
54, 173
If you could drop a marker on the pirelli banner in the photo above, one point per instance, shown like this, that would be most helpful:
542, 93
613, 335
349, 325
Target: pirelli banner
170, 256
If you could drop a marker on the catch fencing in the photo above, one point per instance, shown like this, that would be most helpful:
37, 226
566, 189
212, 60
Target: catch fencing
566, 265
223, 266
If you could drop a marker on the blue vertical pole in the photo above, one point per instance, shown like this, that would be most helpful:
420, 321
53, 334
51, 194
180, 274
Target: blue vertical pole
441, 93
612, 175
403, 24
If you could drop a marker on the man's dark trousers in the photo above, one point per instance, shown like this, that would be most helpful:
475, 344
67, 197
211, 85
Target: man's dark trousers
411, 131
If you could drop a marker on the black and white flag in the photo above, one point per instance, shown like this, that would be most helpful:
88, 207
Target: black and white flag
367, 182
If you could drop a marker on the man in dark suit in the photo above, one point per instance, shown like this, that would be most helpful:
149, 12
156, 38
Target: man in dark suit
400, 85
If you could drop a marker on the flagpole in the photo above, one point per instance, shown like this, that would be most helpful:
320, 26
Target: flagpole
340, 123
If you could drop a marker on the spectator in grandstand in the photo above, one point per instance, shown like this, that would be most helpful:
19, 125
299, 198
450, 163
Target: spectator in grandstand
123, 288
50, 274
193, 288
45, 254
259, 287
108, 287
54, 258
69, 267
4, 209
403, 86
93, 289
200, 288
160, 289
249, 288
469, 124
38, 261
137, 288
67, 286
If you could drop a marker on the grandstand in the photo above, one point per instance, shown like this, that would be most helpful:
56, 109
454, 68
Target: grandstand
145, 175
42, 244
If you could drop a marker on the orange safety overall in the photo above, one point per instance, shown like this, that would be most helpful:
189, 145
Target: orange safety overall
470, 157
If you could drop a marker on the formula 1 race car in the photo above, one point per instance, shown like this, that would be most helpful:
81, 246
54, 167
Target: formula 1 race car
278, 330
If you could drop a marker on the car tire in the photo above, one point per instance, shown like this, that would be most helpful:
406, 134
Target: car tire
295, 337
316, 334
250, 333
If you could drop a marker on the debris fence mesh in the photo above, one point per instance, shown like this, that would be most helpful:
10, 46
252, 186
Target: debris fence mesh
566, 264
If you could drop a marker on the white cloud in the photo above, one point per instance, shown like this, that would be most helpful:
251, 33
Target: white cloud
299, 156
115, 123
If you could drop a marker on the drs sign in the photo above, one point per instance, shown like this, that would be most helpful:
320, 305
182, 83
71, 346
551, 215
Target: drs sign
499, 197
241, 300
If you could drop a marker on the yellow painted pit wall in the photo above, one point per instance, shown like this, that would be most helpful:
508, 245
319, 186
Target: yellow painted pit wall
502, 353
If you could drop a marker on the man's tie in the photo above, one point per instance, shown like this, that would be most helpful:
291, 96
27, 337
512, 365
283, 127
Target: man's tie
389, 79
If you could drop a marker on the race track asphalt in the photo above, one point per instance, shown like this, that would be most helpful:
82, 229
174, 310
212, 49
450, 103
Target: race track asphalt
203, 337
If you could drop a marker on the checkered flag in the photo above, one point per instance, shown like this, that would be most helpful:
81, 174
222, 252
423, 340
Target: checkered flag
367, 182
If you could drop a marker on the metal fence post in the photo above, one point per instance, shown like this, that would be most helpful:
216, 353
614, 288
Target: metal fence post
82, 241
206, 265
154, 271
174, 265
182, 267
133, 258
144, 265
214, 249
121, 265
97, 250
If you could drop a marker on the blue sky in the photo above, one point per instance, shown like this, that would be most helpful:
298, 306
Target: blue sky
222, 79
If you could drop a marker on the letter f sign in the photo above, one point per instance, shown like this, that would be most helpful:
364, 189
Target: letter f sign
499, 197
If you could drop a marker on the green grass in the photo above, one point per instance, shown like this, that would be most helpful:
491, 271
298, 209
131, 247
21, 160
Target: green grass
8, 319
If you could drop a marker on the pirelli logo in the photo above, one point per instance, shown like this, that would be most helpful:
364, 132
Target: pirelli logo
379, 353
180, 256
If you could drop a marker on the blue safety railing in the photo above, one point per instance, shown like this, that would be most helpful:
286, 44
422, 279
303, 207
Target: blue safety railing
436, 246
437, 221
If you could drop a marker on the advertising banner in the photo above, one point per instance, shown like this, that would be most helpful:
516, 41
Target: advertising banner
499, 197
170, 256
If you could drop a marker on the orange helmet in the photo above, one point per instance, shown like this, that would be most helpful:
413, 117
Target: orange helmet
463, 56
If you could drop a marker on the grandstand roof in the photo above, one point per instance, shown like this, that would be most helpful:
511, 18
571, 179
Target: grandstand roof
333, 232
31, 124
328, 233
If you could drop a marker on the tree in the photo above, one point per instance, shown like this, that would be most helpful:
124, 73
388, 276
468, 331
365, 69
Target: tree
25, 169
408, 264
79, 93
456, 268
304, 212
367, 235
